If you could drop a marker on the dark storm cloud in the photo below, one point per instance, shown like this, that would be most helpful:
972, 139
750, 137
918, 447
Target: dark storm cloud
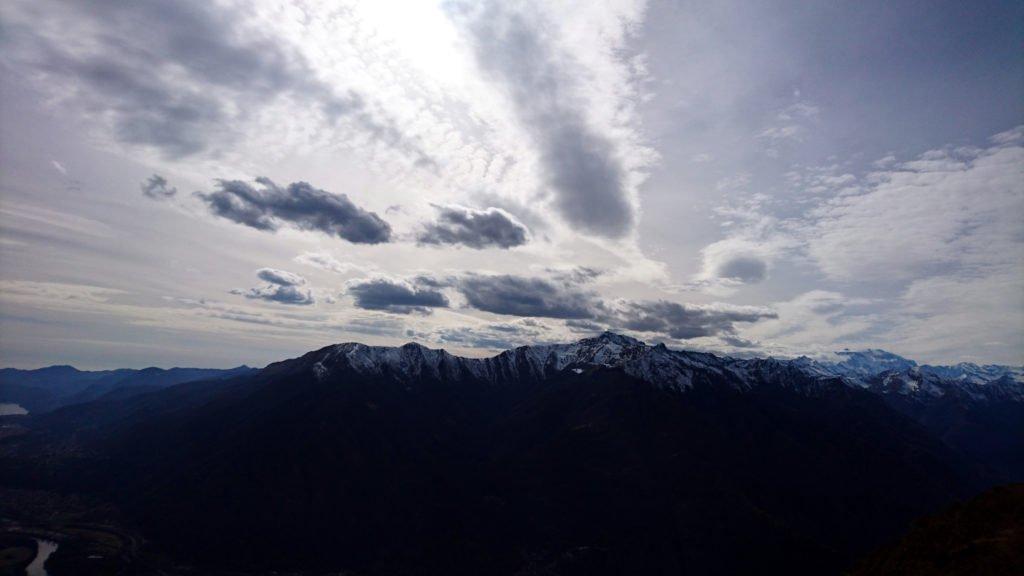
746, 269
178, 76
281, 287
685, 321
561, 296
156, 187
397, 297
282, 295
430, 281
522, 296
300, 206
489, 228
584, 326
581, 166
738, 342
280, 277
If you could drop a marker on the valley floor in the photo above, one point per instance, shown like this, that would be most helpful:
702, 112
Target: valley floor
984, 535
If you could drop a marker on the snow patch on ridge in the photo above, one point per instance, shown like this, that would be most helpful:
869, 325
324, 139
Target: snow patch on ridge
877, 370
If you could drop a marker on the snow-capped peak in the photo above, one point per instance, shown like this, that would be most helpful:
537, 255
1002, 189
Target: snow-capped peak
863, 364
876, 370
658, 365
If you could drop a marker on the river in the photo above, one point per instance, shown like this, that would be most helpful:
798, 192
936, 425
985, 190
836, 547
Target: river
46, 548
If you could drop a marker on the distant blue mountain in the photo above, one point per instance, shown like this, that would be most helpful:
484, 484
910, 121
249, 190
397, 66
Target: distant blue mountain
52, 387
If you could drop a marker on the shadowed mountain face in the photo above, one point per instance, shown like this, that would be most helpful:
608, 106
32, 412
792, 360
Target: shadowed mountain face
55, 386
606, 456
982, 536
983, 420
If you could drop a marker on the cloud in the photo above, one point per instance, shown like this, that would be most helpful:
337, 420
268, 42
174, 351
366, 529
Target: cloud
281, 286
469, 337
376, 326
742, 268
946, 212
582, 165
396, 296
493, 336
34, 221
686, 321
282, 294
280, 277
157, 188
792, 122
433, 281
1014, 135
489, 228
817, 321
735, 261
950, 319
934, 241
584, 326
299, 205
885, 161
560, 296
180, 77
127, 71
800, 109
522, 296
785, 132
748, 253
730, 183
325, 261
738, 342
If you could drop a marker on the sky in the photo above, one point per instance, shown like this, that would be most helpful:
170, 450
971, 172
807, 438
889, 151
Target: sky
216, 183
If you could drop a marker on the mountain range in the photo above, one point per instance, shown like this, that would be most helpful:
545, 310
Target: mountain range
49, 388
603, 456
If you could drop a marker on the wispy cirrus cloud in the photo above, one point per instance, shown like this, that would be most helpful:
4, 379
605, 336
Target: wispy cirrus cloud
917, 230
947, 211
326, 261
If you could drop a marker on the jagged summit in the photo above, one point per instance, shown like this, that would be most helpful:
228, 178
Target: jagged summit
657, 364
609, 337
611, 343
878, 370
867, 363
